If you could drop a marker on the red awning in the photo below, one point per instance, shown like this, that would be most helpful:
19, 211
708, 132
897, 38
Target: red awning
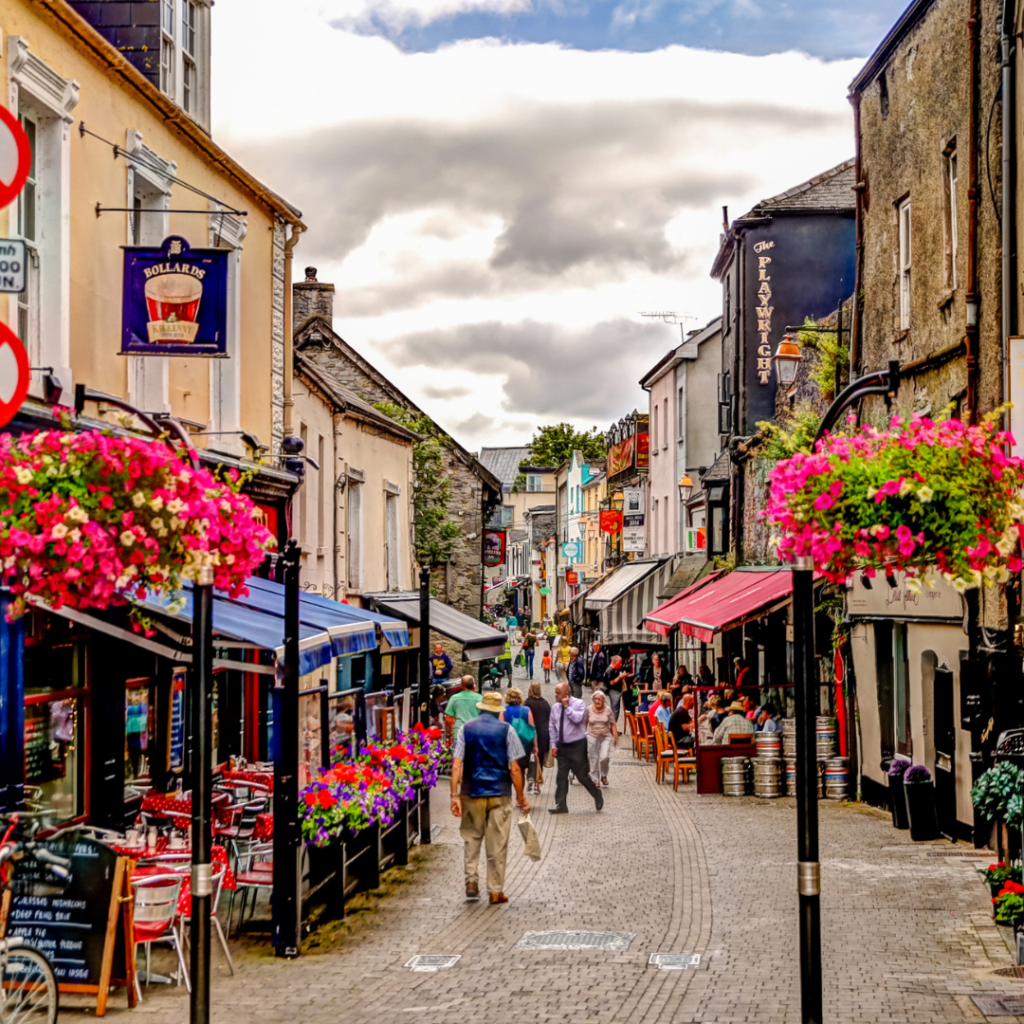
738, 598
660, 621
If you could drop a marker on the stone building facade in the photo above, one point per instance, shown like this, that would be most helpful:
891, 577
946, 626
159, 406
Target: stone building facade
922, 124
475, 491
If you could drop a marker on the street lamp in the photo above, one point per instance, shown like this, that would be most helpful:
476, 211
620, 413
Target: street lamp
787, 360
882, 382
685, 488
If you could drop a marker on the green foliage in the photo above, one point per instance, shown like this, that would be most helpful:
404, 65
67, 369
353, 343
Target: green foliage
1009, 907
831, 353
554, 444
999, 794
436, 534
796, 434
1001, 873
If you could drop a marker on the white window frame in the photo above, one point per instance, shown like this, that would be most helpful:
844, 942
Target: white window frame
225, 415
149, 189
904, 222
533, 482
950, 177
392, 537
354, 530
33, 86
185, 73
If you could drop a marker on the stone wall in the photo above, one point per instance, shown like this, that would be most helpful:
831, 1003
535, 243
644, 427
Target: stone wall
912, 114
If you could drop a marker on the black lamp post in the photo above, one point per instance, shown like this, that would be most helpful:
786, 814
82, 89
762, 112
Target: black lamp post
883, 382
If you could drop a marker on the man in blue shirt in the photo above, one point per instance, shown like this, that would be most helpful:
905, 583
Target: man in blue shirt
441, 664
484, 772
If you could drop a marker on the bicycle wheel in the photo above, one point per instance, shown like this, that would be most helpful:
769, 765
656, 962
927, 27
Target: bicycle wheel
28, 987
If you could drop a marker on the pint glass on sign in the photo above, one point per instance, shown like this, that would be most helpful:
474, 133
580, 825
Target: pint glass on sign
173, 304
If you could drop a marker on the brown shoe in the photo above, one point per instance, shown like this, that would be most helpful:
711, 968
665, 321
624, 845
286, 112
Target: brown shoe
472, 890
498, 897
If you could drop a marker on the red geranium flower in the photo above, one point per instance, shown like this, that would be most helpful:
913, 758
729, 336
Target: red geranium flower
326, 800
310, 799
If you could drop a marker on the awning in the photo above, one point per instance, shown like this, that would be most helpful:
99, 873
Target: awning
477, 638
498, 584
730, 601
660, 620
332, 615
621, 618
627, 575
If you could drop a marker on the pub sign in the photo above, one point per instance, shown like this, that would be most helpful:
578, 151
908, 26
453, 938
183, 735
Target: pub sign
175, 300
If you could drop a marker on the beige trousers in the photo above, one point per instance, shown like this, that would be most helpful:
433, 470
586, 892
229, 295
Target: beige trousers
489, 820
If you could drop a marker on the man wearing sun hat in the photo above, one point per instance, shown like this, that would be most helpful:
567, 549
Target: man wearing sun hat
736, 722
484, 772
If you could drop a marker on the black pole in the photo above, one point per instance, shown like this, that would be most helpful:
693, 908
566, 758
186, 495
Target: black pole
808, 868
423, 697
202, 839
287, 836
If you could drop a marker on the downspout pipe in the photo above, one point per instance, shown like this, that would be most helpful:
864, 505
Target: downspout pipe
973, 297
859, 188
1009, 189
289, 327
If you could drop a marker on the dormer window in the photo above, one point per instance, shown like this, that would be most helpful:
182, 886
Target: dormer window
184, 73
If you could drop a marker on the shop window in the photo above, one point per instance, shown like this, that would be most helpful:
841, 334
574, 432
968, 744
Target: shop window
56, 709
354, 534
893, 688
718, 520
139, 737
393, 565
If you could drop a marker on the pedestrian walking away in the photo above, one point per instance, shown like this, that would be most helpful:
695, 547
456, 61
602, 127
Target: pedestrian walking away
512, 623
485, 770
505, 662
529, 649
568, 732
551, 630
575, 672
541, 711
545, 662
521, 720
564, 655
598, 664
461, 707
602, 735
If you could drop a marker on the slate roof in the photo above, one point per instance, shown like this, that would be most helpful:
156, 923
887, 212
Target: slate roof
504, 462
832, 190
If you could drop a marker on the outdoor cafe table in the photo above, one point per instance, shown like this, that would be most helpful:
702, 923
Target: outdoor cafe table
179, 808
260, 778
219, 856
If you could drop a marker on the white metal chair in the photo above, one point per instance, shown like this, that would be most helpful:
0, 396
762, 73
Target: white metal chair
155, 913
219, 873
254, 871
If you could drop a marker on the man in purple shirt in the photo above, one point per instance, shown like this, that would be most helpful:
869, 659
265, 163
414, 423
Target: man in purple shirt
569, 748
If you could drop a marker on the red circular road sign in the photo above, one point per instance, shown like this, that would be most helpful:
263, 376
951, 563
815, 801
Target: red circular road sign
15, 157
15, 374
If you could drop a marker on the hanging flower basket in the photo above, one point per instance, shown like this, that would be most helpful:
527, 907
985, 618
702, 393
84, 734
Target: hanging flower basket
918, 496
87, 519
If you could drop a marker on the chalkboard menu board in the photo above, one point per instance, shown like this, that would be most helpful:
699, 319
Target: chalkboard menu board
74, 920
39, 766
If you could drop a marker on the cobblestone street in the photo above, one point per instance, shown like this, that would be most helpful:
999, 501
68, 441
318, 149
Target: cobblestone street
907, 930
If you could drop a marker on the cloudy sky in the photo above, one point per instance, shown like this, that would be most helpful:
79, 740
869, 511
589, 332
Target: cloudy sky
498, 188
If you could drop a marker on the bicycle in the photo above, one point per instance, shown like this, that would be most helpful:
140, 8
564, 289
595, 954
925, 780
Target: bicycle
28, 985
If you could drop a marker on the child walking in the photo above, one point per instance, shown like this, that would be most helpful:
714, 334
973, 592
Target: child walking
546, 664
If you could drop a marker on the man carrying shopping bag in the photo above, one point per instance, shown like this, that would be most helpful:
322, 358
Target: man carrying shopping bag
484, 772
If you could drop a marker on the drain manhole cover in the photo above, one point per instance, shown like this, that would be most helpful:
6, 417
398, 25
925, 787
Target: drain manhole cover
432, 962
1011, 972
970, 855
612, 942
674, 961
999, 1006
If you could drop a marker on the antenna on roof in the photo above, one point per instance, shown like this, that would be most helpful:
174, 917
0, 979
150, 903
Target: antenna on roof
672, 318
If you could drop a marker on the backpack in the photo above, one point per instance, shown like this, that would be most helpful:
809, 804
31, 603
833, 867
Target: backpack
522, 728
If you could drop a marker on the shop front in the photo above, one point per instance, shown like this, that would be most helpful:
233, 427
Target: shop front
907, 650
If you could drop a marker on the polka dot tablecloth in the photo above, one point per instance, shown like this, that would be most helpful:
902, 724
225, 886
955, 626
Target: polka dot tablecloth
179, 809
260, 778
219, 856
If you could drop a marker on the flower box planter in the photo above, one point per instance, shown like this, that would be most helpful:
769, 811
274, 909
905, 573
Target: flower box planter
898, 803
920, 805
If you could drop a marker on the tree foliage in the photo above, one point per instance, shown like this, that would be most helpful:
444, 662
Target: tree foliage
554, 444
435, 533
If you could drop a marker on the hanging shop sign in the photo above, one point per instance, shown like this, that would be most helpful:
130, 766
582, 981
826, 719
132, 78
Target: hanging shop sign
643, 451
611, 521
937, 600
620, 456
12, 265
572, 579
15, 373
633, 518
696, 538
175, 300
494, 547
572, 551
15, 157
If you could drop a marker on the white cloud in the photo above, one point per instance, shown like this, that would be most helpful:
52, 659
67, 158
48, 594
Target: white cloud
488, 195
360, 15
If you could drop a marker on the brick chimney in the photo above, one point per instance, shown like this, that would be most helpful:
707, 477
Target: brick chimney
310, 298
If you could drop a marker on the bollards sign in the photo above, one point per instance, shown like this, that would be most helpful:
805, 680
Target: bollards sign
175, 300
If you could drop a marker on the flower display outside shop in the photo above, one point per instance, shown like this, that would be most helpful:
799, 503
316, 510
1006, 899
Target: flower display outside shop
349, 797
1009, 903
998, 795
89, 519
920, 495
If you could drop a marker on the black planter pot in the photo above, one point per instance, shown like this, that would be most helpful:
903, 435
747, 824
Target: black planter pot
897, 802
920, 805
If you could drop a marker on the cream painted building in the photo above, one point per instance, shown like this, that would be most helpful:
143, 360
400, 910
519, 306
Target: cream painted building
115, 159
353, 517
